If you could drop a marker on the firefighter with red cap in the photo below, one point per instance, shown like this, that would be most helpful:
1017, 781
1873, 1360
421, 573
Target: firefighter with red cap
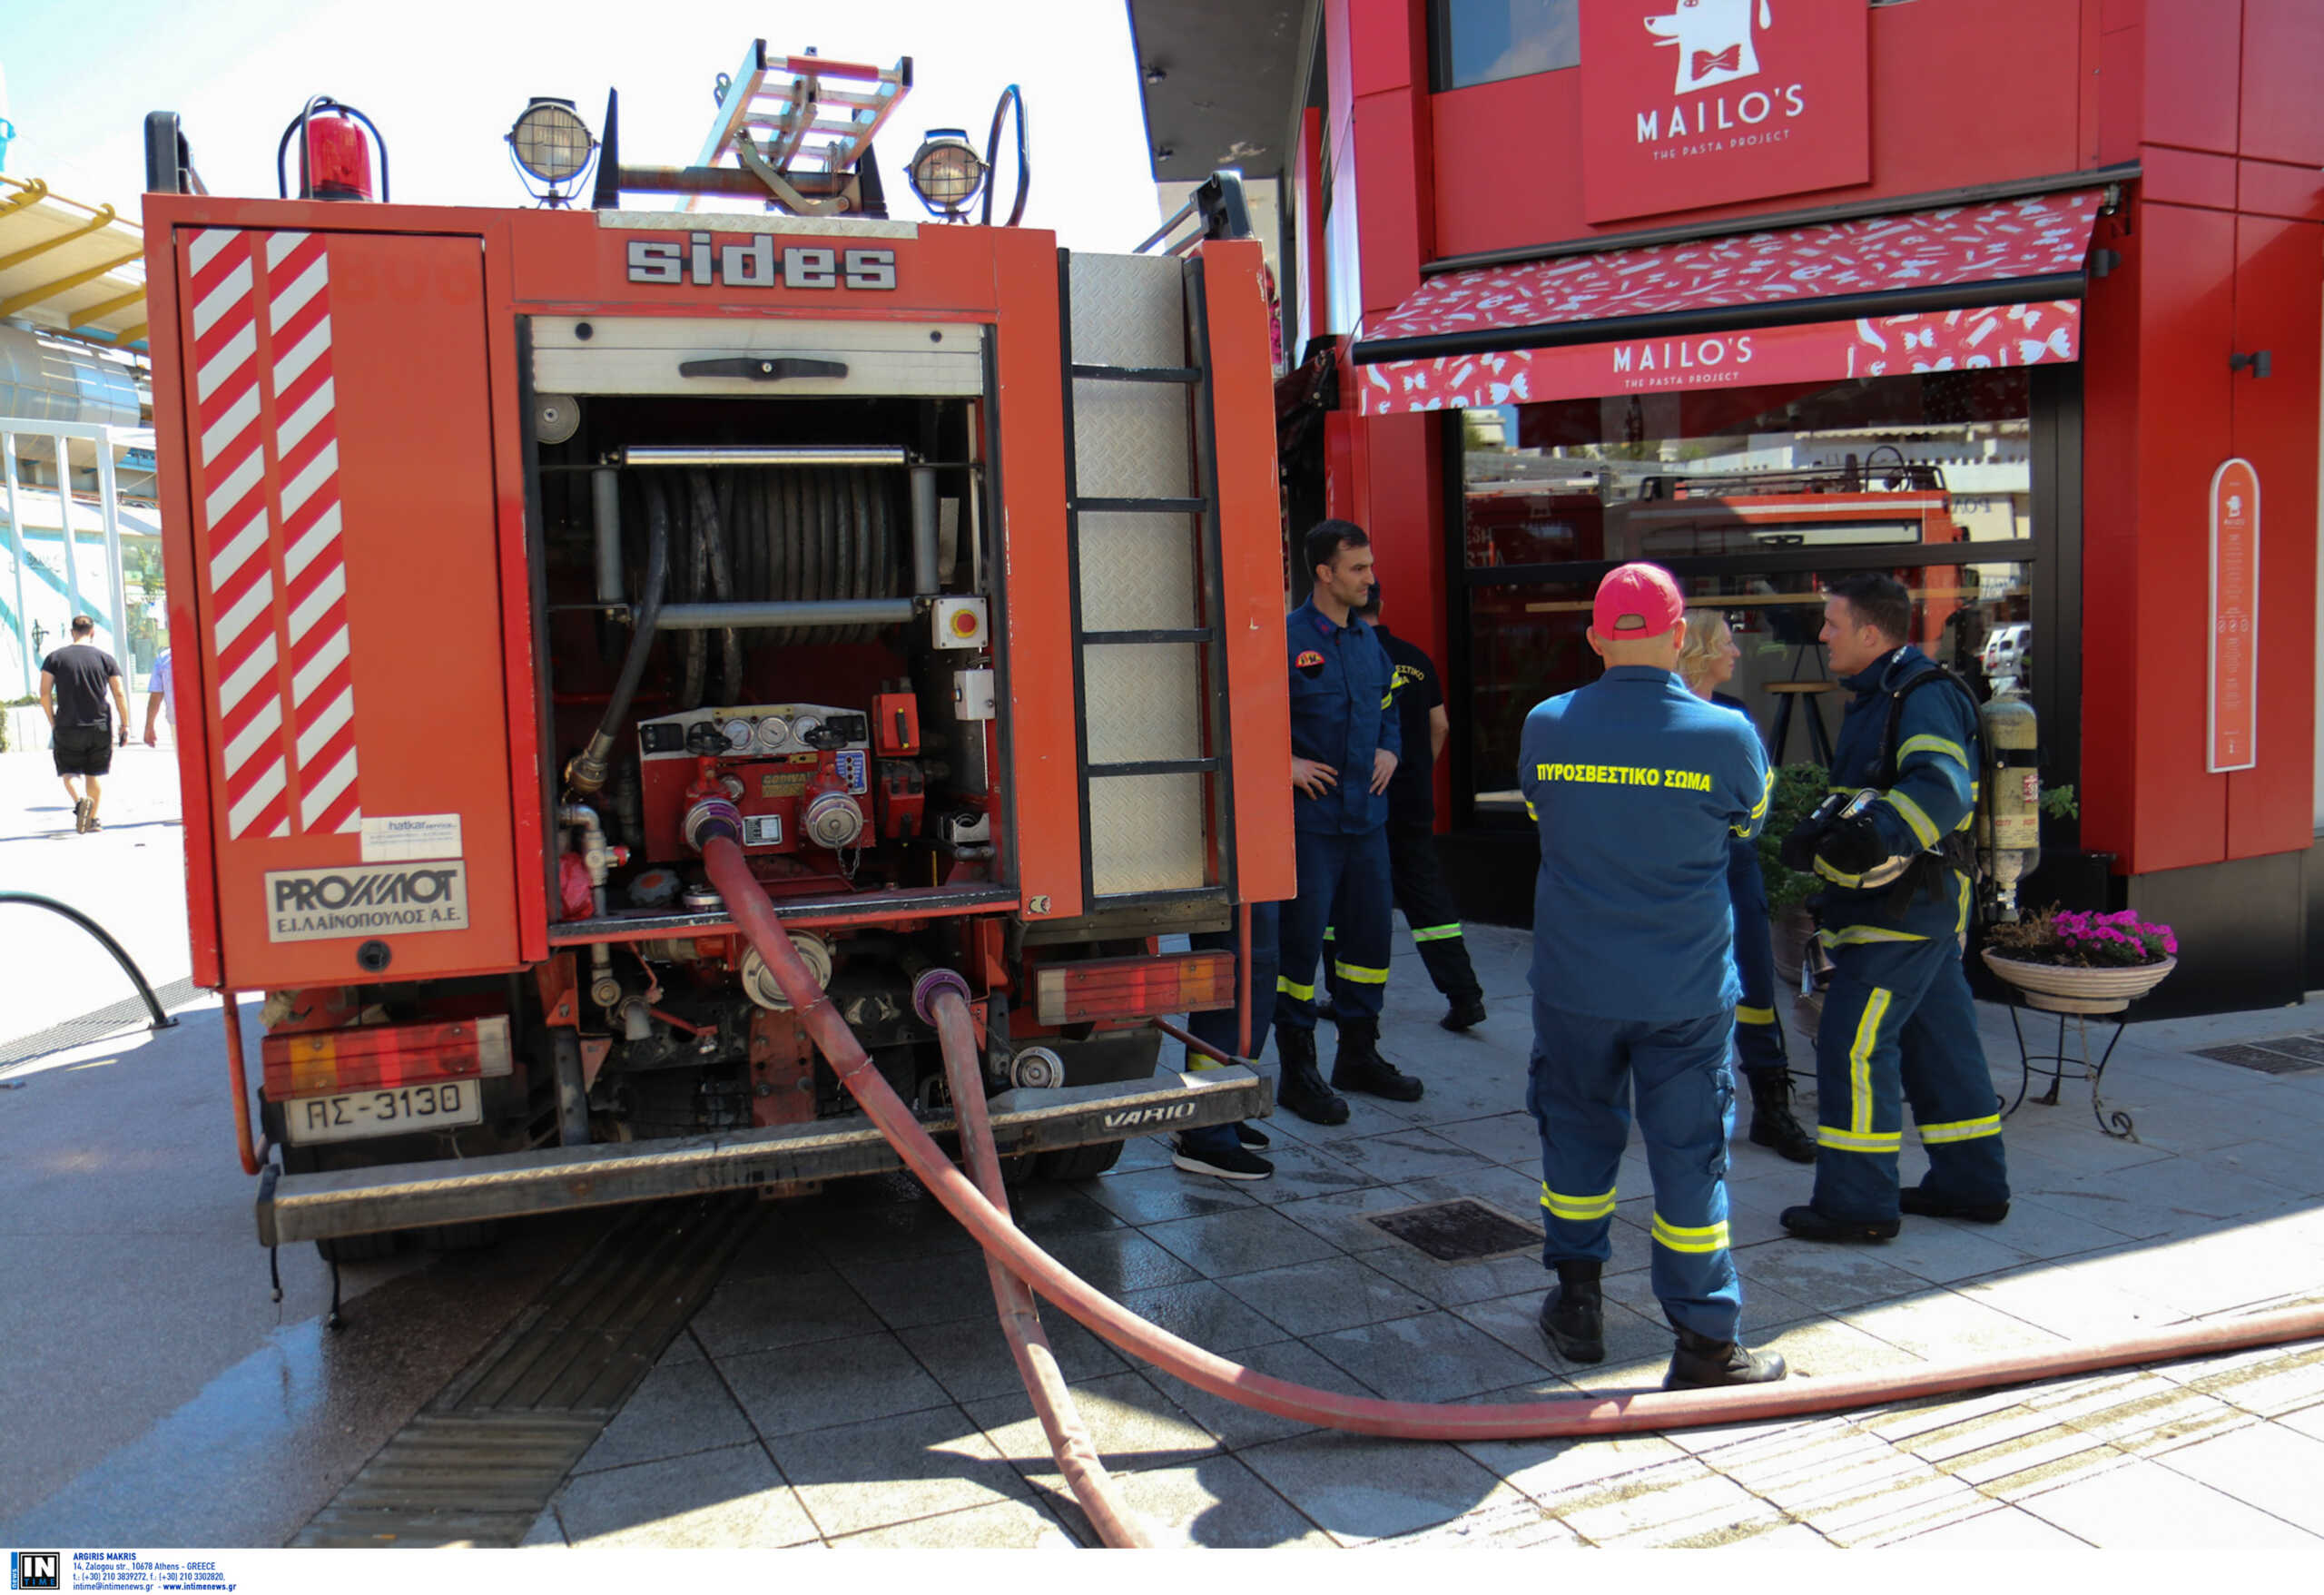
1636, 785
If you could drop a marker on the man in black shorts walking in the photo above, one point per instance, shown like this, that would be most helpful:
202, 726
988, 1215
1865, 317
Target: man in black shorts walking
73, 684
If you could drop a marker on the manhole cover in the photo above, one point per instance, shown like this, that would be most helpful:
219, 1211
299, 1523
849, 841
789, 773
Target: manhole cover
1460, 1231
2284, 1055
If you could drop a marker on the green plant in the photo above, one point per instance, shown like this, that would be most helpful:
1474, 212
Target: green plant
2059, 802
1796, 792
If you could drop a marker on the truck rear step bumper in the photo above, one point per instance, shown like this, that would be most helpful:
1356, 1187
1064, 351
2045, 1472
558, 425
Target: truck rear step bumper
360, 1201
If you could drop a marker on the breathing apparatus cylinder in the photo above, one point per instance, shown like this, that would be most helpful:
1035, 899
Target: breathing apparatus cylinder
2009, 819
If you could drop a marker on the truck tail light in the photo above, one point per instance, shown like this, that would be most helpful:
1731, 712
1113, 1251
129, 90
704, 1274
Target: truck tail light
1134, 988
373, 1057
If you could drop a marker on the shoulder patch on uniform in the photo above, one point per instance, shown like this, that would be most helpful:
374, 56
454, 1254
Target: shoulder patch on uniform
1307, 658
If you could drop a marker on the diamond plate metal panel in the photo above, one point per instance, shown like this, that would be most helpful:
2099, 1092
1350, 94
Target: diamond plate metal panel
1145, 833
1128, 311
1138, 572
1132, 440
1144, 701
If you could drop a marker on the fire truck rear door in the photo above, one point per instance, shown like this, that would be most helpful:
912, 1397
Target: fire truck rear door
340, 443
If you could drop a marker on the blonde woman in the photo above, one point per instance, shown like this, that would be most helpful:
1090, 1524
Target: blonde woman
1706, 663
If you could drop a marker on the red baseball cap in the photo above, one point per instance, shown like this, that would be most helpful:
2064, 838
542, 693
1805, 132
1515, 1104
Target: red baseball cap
1636, 602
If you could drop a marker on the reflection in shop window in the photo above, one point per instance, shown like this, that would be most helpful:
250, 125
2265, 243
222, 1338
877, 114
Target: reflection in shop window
1930, 465
1484, 40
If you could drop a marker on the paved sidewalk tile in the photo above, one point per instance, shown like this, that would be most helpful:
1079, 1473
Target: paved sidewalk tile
1505, 1138
1316, 1298
1516, 1524
837, 1382
1339, 1217
1246, 1241
2269, 1382
1432, 1357
677, 1410
1553, 1471
1207, 1314
1679, 1502
732, 1498
1359, 1490
772, 1311
1215, 1502
1302, 1172
1410, 1155
860, 1476
1238, 1426
1943, 1326
2277, 1470
970, 1358
1154, 1195
2146, 1506
999, 1525
1828, 1278
1999, 1529
1133, 1424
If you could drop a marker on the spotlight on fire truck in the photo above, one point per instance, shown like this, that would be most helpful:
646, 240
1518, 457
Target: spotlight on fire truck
945, 172
550, 143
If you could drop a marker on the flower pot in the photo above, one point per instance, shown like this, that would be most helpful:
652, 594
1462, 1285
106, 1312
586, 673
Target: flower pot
2062, 988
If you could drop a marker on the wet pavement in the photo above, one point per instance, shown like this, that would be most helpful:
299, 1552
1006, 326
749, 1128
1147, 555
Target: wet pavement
845, 1385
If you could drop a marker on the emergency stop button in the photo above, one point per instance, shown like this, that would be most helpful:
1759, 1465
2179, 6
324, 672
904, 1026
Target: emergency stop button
960, 622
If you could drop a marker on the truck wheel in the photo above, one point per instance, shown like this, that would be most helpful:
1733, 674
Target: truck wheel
1077, 1163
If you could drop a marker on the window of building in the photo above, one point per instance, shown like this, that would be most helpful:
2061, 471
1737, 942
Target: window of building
1753, 499
1484, 40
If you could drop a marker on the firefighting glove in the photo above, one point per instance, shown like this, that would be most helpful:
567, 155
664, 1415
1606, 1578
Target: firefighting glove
1798, 848
1852, 847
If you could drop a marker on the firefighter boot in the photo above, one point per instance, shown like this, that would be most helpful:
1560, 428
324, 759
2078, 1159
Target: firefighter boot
1467, 1009
1573, 1315
1772, 1124
1701, 1362
1301, 1087
1360, 1067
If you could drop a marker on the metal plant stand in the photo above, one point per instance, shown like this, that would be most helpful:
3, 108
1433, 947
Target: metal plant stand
2110, 1122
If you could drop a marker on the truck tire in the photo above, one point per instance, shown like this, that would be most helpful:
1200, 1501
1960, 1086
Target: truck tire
1078, 1163
359, 1248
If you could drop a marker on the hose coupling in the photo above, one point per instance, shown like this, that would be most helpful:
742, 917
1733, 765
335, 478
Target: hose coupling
931, 983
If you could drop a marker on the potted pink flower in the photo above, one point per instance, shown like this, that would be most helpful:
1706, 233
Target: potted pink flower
2070, 962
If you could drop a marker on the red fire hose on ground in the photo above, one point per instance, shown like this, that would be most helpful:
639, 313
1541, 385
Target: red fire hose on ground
1575, 1415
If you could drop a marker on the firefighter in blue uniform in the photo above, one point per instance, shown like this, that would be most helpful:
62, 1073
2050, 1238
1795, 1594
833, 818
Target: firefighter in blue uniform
1344, 744
1898, 1025
1637, 786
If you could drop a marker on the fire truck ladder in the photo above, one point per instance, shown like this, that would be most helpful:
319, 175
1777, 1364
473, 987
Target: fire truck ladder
773, 105
1149, 677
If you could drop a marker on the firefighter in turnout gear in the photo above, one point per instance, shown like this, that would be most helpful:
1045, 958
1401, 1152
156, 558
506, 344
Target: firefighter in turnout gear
1414, 870
1344, 745
1637, 786
1898, 1025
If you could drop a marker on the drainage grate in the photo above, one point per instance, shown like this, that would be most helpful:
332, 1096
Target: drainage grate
1463, 1230
2284, 1055
127, 1014
479, 1462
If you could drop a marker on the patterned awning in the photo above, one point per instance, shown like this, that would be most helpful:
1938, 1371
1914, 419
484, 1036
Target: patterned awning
1876, 275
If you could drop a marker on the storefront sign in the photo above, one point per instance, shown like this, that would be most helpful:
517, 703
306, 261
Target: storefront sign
1832, 351
2235, 616
1693, 103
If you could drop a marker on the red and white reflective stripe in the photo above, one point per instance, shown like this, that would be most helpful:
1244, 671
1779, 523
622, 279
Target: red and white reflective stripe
322, 690
250, 472
242, 598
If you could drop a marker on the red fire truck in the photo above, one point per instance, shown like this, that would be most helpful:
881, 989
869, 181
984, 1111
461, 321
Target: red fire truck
509, 547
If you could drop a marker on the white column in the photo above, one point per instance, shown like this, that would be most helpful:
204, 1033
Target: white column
65, 520
16, 554
109, 508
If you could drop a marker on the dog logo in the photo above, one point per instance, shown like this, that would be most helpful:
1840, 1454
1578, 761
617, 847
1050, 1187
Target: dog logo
1714, 39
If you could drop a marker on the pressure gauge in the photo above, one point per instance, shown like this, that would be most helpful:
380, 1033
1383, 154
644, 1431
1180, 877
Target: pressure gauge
804, 729
775, 735
738, 735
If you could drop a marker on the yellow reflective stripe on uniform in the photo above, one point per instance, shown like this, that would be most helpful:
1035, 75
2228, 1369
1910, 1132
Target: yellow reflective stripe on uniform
1290, 986
1850, 1141
1933, 744
1836, 876
1435, 932
1679, 1237
1767, 791
1531, 811
1329, 931
1857, 935
1867, 1036
1577, 1209
1960, 926
1389, 698
1359, 973
1924, 828
1966, 1129
1747, 1014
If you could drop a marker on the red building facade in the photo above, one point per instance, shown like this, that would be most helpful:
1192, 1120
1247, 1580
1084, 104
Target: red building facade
1452, 169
